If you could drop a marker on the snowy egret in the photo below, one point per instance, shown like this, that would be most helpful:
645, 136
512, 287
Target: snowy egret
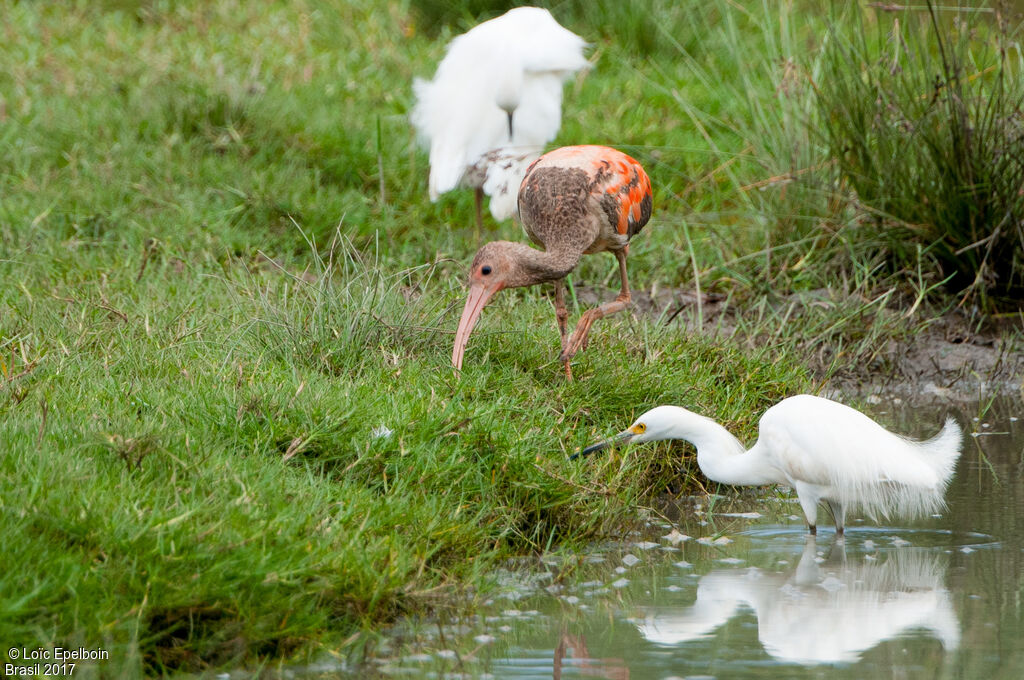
494, 103
824, 450
574, 200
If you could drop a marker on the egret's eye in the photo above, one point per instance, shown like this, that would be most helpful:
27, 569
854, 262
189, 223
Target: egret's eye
485, 270
639, 428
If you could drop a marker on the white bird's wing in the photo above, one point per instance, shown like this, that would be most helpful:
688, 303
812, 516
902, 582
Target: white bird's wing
822, 442
539, 114
549, 54
547, 46
504, 170
521, 58
459, 125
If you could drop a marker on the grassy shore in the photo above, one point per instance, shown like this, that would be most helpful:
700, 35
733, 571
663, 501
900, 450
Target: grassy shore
229, 431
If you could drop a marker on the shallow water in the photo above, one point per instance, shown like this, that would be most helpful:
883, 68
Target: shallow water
734, 588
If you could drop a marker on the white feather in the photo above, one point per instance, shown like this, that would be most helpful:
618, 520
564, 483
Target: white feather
857, 462
516, 62
817, 614
823, 449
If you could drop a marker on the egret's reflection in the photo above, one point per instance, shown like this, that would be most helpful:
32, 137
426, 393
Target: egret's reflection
830, 612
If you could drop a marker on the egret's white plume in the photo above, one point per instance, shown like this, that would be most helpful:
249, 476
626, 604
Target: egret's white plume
506, 73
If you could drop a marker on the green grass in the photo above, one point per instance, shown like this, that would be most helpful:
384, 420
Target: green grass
204, 485
924, 118
208, 305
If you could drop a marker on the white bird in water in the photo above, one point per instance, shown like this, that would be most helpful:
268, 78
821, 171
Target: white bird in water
494, 103
822, 449
830, 612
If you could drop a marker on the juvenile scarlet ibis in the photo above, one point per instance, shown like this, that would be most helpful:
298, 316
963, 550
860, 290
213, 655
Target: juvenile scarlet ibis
824, 450
494, 103
573, 200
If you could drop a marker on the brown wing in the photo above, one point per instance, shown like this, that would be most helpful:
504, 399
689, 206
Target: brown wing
619, 183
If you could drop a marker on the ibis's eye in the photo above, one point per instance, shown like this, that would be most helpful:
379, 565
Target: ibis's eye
639, 428
485, 270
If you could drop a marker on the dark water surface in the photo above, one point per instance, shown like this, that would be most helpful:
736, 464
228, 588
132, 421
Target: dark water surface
734, 588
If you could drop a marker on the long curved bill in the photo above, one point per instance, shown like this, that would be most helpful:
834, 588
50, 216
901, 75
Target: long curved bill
621, 438
479, 294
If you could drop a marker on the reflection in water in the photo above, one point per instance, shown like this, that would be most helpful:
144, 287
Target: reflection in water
582, 663
827, 612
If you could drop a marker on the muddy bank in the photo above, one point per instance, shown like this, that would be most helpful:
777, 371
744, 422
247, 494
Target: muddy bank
891, 350
948, 360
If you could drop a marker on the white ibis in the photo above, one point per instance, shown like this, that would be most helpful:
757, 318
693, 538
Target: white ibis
824, 450
573, 200
494, 103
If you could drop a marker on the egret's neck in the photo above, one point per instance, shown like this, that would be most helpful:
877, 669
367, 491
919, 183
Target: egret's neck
722, 457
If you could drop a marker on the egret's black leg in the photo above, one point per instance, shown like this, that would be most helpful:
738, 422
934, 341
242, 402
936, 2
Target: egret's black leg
809, 502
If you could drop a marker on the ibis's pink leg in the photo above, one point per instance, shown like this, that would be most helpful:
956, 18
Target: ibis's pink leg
579, 336
562, 316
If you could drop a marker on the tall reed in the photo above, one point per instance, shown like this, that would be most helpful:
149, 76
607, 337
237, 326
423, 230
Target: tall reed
923, 115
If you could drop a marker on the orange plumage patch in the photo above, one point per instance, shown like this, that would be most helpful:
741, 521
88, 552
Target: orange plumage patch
630, 187
612, 173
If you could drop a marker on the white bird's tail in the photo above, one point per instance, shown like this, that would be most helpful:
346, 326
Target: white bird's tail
943, 450
915, 484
